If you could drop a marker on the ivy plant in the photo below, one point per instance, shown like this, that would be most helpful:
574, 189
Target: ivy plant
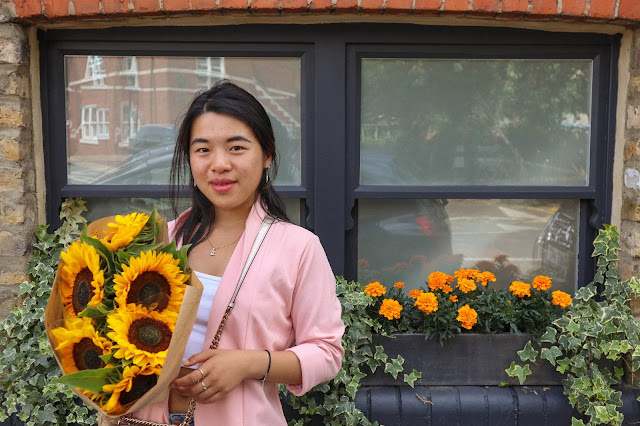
27, 367
598, 327
332, 403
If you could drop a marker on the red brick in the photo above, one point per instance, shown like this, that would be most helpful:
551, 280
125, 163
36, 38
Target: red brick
320, 6
27, 8
243, 5
116, 7
294, 6
86, 7
204, 6
544, 7
346, 6
486, 5
176, 5
456, 6
603, 9
146, 7
514, 6
264, 7
395, 7
427, 7
56, 8
574, 7
370, 6
629, 9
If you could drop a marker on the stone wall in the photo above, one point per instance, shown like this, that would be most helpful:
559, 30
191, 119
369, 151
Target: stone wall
17, 176
630, 215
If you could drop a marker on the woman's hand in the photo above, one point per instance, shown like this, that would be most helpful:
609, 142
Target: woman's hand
221, 370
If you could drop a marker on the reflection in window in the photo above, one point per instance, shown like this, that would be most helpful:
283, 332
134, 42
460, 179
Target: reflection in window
95, 124
95, 70
476, 122
208, 71
130, 71
406, 240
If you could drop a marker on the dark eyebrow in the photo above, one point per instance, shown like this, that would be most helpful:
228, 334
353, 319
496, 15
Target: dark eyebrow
231, 139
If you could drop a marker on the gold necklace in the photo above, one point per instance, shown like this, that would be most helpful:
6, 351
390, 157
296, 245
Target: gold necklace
213, 249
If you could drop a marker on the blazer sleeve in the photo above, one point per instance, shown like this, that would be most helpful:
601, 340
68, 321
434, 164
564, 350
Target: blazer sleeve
316, 316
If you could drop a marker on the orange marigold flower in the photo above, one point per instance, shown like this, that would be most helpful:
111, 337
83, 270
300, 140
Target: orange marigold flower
447, 289
541, 282
415, 293
465, 273
453, 298
466, 285
427, 302
399, 284
520, 289
484, 277
437, 280
375, 289
390, 309
467, 316
560, 298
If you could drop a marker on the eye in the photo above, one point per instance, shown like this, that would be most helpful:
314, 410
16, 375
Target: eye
202, 150
237, 148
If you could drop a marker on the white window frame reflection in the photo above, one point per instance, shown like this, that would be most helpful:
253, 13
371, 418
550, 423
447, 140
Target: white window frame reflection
94, 124
130, 71
208, 70
95, 70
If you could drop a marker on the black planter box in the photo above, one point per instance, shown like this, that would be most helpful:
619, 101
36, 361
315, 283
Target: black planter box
465, 360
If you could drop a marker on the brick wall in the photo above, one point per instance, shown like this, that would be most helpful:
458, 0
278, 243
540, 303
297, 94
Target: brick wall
618, 11
17, 180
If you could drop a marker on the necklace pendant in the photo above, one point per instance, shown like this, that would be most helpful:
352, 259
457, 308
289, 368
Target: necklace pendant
212, 252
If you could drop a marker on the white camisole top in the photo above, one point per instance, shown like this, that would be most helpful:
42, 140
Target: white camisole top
196, 339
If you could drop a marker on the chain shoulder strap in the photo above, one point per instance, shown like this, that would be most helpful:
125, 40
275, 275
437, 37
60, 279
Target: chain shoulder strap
262, 233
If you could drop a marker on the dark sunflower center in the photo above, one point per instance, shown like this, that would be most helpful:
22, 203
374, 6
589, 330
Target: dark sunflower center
86, 355
151, 290
149, 335
82, 290
139, 386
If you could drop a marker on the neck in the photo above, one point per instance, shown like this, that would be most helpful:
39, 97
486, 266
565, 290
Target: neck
230, 219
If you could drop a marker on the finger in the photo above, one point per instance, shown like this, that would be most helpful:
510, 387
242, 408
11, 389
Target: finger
198, 358
188, 380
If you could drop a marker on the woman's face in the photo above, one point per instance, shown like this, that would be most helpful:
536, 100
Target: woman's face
226, 161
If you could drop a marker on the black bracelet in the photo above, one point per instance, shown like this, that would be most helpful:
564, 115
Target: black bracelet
268, 368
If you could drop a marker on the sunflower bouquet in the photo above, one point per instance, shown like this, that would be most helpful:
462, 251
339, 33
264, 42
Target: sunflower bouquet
119, 298
466, 302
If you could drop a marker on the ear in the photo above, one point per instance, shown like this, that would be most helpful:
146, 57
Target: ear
267, 161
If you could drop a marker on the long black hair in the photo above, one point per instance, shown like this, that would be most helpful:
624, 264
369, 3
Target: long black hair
223, 98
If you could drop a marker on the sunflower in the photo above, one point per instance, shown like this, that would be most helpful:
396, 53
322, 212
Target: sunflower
82, 279
141, 334
148, 279
79, 345
124, 230
135, 382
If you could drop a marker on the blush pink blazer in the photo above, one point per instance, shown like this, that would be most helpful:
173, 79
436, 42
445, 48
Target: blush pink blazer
287, 302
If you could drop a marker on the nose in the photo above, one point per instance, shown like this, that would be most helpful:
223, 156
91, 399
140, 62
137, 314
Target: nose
220, 161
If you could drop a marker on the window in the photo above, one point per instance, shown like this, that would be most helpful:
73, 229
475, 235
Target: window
405, 148
95, 124
130, 71
95, 70
208, 70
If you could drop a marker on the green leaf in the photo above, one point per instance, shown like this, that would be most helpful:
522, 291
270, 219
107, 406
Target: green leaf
518, 371
528, 353
585, 293
576, 422
550, 354
394, 367
91, 380
549, 336
410, 379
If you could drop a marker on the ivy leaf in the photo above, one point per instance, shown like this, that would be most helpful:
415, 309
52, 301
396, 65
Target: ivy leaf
585, 293
562, 365
576, 422
550, 354
528, 353
380, 355
394, 367
573, 327
410, 379
549, 336
518, 371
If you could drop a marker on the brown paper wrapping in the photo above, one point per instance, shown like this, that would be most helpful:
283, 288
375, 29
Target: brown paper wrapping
54, 314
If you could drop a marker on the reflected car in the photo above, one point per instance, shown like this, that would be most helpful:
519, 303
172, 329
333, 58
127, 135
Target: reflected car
153, 136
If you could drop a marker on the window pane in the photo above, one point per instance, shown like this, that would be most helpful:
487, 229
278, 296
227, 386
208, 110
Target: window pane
102, 207
475, 122
122, 112
406, 240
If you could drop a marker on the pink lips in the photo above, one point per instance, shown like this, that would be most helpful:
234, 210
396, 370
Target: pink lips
222, 185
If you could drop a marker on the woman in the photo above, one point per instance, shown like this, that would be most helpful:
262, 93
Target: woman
285, 326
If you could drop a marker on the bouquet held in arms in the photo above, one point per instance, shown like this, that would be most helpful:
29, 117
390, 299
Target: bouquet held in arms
120, 312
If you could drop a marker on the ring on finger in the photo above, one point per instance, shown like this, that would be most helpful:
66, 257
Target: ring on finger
203, 385
201, 373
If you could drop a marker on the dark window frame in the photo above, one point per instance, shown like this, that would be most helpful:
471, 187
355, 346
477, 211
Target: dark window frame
330, 94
